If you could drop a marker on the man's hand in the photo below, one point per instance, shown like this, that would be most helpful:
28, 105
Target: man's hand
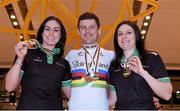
157, 104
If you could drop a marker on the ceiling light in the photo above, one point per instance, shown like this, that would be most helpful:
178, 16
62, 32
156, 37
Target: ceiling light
21, 37
13, 16
15, 23
145, 24
147, 17
143, 32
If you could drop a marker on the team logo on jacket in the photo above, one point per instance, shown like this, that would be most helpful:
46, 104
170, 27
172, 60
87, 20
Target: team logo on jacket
38, 59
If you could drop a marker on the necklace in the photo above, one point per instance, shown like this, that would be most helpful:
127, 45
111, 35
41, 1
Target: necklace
88, 78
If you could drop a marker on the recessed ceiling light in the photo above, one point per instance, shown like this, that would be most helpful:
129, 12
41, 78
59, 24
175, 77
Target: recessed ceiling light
21, 37
13, 16
145, 24
143, 32
15, 23
147, 17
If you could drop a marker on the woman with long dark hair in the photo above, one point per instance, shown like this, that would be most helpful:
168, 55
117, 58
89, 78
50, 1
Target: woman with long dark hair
136, 75
40, 69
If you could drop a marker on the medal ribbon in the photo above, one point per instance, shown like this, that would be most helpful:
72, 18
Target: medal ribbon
49, 53
96, 54
125, 60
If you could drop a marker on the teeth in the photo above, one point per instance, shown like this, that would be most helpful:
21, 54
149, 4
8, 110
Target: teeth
50, 38
125, 41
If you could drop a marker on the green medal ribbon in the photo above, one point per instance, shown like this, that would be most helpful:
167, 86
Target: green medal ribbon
124, 60
49, 53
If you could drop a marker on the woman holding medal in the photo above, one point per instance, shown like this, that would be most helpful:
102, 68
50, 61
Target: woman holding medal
135, 74
40, 68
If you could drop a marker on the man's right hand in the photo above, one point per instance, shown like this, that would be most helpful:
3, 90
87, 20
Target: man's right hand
156, 103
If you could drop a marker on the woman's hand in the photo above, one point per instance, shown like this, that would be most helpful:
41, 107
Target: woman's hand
21, 49
161, 89
136, 65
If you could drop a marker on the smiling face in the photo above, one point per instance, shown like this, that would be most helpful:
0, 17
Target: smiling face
88, 31
51, 34
126, 37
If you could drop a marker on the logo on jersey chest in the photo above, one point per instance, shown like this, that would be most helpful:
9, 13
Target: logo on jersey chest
77, 64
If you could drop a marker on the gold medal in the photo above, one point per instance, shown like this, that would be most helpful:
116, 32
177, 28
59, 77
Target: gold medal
95, 77
33, 44
127, 72
88, 78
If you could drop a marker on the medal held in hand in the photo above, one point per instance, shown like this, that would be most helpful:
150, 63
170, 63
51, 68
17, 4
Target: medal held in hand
125, 65
127, 71
34, 44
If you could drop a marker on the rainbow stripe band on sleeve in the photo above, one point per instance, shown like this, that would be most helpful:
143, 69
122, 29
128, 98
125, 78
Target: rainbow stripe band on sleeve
66, 83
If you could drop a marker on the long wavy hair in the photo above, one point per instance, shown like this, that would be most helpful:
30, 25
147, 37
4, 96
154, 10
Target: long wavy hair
61, 42
139, 42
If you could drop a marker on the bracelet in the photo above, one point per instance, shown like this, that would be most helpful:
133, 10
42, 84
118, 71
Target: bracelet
18, 63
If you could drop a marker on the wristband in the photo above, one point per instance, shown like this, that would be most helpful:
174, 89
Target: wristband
18, 63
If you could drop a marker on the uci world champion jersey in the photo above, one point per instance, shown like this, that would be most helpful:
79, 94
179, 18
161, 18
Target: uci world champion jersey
89, 95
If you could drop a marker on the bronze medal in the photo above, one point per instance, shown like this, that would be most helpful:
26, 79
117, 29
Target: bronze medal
95, 77
127, 72
125, 61
33, 44
88, 78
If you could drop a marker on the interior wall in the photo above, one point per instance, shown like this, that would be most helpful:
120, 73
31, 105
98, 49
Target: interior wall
164, 32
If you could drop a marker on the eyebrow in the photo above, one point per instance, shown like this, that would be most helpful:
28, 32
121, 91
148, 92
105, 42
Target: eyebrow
52, 27
126, 30
85, 24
